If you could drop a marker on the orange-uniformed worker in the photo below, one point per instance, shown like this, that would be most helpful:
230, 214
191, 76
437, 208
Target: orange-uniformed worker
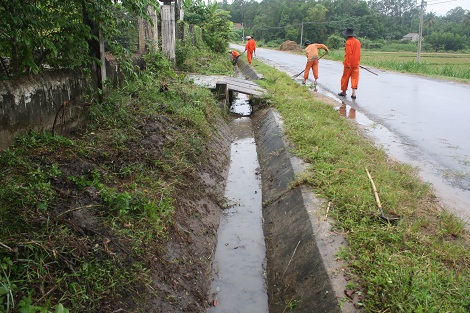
352, 58
311, 52
235, 56
250, 48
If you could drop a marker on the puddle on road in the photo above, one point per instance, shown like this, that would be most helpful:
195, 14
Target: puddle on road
239, 278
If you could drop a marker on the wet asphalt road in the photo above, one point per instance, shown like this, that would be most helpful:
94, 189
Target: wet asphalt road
421, 121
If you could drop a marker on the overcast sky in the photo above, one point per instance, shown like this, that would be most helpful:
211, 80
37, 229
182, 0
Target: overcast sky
439, 7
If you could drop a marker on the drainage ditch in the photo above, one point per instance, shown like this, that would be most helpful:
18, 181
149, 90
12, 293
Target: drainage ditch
239, 279
275, 250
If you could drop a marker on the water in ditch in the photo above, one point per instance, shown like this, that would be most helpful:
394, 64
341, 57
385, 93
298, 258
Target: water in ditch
239, 278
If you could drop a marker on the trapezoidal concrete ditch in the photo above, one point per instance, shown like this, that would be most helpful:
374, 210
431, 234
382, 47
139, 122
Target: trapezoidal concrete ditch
302, 271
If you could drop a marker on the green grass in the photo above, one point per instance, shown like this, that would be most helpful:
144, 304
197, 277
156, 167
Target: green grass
421, 264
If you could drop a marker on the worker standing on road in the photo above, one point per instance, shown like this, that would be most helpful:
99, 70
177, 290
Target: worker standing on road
235, 56
250, 48
352, 58
311, 52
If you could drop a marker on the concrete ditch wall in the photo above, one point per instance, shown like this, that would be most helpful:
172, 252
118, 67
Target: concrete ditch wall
304, 274
248, 71
297, 276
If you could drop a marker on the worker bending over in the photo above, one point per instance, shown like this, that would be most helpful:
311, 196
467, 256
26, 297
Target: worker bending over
311, 52
235, 56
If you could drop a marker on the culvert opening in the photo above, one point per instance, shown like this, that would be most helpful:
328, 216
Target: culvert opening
241, 105
239, 275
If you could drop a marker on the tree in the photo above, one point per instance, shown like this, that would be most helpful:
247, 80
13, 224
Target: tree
214, 22
36, 34
217, 31
456, 15
316, 28
445, 41
466, 22
40, 34
278, 20
429, 21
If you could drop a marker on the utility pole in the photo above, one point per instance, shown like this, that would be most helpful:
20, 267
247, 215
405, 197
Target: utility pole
243, 32
243, 26
420, 35
301, 34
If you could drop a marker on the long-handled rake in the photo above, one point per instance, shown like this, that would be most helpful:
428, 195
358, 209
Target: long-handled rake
295, 76
382, 215
365, 68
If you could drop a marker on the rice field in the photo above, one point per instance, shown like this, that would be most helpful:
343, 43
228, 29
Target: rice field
451, 65
454, 66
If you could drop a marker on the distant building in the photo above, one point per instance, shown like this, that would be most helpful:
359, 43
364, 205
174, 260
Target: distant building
411, 37
237, 25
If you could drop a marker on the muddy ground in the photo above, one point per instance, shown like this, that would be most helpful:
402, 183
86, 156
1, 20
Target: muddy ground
182, 272
75, 227
183, 281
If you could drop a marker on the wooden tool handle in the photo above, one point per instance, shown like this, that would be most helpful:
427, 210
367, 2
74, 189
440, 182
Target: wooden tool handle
375, 189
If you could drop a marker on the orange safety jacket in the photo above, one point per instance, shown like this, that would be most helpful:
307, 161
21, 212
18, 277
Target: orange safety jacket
352, 52
250, 45
311, 51
235, 54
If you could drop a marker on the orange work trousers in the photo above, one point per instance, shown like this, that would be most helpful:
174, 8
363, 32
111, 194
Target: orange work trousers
311, 65
249, 55
350, 73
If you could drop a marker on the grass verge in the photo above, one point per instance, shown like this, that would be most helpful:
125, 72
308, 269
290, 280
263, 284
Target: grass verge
421, 263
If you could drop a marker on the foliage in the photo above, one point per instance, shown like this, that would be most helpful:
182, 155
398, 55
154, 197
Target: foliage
35, 34
237, 35
217, 31
318, 20
193, 54
44, 34
335, 42
446, 41
214, 22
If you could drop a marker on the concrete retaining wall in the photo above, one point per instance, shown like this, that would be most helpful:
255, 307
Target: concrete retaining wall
33, 103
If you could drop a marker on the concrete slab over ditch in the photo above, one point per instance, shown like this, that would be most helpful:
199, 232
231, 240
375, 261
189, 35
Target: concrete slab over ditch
303, 272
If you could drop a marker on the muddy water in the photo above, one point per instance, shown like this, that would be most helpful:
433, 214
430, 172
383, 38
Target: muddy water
239, 281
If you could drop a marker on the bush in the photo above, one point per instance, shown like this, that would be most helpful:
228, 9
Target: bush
376, 45
335, 42
446, 41
273, 43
